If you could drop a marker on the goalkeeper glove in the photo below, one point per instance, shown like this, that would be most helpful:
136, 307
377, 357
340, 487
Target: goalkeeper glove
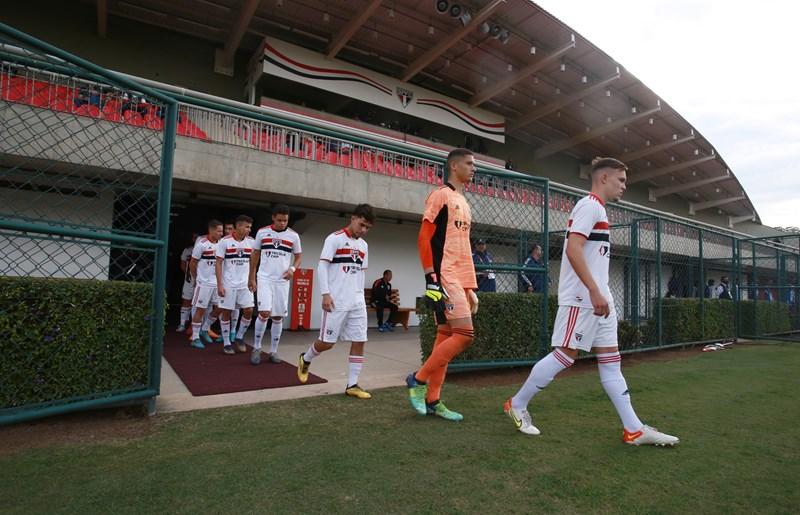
435, 294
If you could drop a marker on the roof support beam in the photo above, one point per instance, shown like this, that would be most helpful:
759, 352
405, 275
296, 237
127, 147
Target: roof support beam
652, 149
223, 59
694, 207
350, 28
669, 190
658, 172
566, 100
496, 89
432, 54
558, 146
733, 220
102, 18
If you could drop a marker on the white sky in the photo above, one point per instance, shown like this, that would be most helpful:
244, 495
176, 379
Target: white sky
731, 68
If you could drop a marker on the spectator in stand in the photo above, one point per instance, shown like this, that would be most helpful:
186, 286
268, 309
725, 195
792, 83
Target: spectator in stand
723, 290
382, 299
509, 164
673, 288
486, 278
532, 281
710, 291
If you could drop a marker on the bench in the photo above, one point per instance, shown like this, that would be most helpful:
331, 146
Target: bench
402, 314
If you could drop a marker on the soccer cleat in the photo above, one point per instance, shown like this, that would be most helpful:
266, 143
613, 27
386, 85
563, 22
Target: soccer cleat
255, 357
233, 336
649, 436
273, 358
521, 418
227, 349
181, 328
416, 394
357, 392
207, 338
381, 328
302, 368
440, 410
197, 344
240, 346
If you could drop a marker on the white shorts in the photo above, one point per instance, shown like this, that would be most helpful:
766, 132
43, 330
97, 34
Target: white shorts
580, 328
344, 325
236, 298
188, 290
204, 295
273, 296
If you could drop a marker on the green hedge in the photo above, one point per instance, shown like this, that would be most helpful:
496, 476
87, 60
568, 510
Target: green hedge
682, 321
773, 317
65, 338
507, 327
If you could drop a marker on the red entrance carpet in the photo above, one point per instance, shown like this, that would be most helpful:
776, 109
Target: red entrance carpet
211, 372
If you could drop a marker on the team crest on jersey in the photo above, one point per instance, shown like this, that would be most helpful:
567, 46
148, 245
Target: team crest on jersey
449, 306
405, 96
354, 253
276, 243
240, 252
604, 250
578, 337
461, 226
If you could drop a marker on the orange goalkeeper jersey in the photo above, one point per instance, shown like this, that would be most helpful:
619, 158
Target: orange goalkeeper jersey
448, 210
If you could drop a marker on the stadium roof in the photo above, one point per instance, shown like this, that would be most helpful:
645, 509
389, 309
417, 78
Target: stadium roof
558, 92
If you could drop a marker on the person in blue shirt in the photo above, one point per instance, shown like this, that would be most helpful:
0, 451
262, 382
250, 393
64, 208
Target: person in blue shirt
532, 281
486, 278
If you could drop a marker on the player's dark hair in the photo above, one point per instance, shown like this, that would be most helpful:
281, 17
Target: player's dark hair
280, 209
214, 223
457, 153
243, 218
599, 163
364, 211
387, 271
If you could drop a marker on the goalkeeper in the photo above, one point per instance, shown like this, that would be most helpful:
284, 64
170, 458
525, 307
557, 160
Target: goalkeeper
446, 255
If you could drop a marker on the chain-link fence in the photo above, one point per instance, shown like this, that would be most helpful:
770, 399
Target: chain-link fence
769, 284
85, 171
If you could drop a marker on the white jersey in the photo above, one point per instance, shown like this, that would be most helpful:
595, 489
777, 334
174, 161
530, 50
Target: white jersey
588, 218
277, 252
346, 259
236, 261
205, 253
186, 257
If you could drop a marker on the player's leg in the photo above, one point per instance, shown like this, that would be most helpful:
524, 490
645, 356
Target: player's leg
355, 330
609, 365
200, 302
379, 316
227, 304
211, 316
330, 327
244, 301
391, 321
264, 296
234, 320
186, 310
280, 309
571, 322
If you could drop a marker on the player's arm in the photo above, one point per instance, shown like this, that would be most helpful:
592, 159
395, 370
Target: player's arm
324, 285
434, 291
295, 265
184, 264
218, 272
193, 267
575, 242
255, 259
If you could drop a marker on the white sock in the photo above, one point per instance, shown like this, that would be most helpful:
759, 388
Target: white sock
184, 314
354, 368
542, 374
277, 329
610, 367
244, 323
310, 354
196, 330
194, 310
234, 317
209, 321
226, 332
261, 328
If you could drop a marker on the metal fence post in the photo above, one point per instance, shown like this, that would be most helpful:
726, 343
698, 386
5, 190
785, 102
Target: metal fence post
701, 289
659, 320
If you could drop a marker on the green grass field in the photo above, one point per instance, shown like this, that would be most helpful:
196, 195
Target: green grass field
737, 413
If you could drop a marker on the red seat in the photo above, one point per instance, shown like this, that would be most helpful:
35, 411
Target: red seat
88, 110
112, 105
345, 160
61, 105
17, 89
41, 98
133, 118
152, 121
113, 116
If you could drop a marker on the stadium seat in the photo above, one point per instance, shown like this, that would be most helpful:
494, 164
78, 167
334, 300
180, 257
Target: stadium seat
111, 105
113, 116
152, 121
132, 117
345, 160
41, 98
89, 110
17, 89
62, 94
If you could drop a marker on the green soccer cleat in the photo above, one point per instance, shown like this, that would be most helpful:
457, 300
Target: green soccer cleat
416, 394
440, 410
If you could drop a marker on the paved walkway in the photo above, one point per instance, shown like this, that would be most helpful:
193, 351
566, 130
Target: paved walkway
389, 358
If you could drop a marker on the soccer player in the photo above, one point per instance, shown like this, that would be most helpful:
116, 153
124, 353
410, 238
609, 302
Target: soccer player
233, 271
277, 256
188, 285
446, 255
229, 228
201, 268
586, 318
340, 273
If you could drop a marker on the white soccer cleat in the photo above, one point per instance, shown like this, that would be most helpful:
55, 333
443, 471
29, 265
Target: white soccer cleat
521, 418
649, 436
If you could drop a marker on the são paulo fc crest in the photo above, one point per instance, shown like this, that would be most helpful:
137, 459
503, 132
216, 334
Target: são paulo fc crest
405, 96
354, 253
240, 252
276, 243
